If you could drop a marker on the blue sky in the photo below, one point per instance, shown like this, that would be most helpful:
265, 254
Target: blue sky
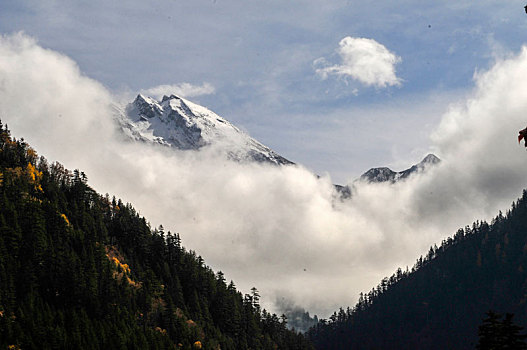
260, 59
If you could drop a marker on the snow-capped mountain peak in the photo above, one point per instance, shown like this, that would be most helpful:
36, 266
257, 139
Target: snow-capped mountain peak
388, 175
430, 159
180, 123
147, 107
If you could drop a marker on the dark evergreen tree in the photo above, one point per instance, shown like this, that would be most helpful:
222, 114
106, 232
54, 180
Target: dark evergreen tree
498, 334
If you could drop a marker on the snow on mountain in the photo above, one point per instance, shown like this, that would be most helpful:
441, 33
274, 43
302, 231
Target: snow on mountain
179, 123
386, 174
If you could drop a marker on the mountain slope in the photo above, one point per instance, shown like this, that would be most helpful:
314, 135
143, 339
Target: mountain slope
83, 271
440, 303
179, 123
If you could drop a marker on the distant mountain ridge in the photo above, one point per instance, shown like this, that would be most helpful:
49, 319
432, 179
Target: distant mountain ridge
182, 124
384, 174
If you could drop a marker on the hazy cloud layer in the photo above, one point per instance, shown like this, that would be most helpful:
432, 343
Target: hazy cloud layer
279, 229
365, 60
183, 89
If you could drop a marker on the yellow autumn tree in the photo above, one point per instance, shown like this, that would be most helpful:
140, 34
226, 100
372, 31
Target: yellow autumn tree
65, 218
34, 176
124, 267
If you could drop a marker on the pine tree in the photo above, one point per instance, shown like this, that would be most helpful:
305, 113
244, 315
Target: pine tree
497, 334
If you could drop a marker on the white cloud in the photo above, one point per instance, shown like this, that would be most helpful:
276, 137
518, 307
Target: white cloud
364, 60
184, 90
278, 229
62, 110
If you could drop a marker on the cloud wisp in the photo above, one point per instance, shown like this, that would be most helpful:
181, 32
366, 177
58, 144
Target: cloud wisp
183, 90
364, 60
277, 228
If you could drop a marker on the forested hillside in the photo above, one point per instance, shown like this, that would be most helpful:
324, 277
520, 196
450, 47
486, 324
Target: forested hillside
83, 271
442, 300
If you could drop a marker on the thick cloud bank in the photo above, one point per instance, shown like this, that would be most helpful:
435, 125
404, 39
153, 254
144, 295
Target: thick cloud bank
279, 229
